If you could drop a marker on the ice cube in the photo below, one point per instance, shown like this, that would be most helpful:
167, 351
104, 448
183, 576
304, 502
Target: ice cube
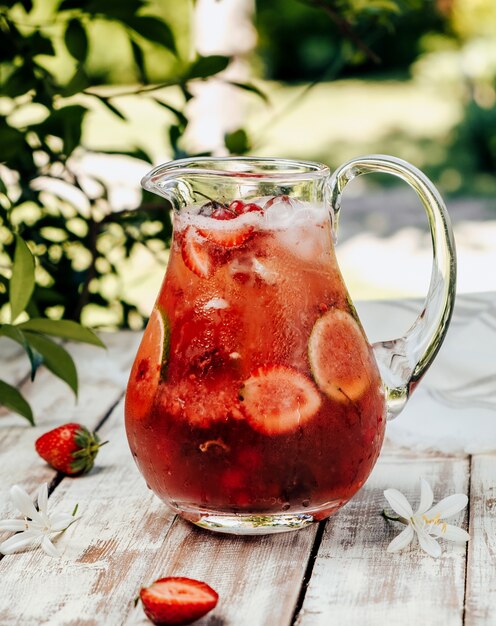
279, 214
268, 275
216, 303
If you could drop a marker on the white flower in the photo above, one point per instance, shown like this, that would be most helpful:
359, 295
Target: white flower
426, 522
37, 526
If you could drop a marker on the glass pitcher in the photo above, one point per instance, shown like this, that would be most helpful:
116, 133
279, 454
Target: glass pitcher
255, 403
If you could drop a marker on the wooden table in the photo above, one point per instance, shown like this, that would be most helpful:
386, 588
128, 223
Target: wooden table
333, 573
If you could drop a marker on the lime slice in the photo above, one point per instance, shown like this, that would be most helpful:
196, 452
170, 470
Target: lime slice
277, 399
149, 366
339, 356
156, 340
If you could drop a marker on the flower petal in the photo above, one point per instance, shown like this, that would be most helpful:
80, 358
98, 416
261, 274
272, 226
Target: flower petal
426, 497
19, 541
398, 503
14, 525
450, 532
61, 521
402, 540
43, 498
49, 548
428, 544
448, 506
23, 502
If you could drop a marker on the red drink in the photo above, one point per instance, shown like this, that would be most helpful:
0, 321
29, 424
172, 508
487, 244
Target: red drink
254, 395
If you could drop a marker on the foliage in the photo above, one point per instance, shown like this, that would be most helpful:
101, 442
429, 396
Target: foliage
34, 335
342, 44
76, 236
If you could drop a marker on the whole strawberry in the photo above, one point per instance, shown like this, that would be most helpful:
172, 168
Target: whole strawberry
177, 600
70, 448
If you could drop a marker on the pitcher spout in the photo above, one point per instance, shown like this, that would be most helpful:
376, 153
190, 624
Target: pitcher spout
168, 181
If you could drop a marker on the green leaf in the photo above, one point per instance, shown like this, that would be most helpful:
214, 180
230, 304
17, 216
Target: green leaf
204, 67
182, 119
137, 153
66, 123
55, 358
152, 29
251, 88
237, 142
68, 5
11, 140
110, 106
40, 44
78, 82
175, 134
115, 9
13, 332
65, 329
139, 60
76, 40
22, 279
19, 82
13, 400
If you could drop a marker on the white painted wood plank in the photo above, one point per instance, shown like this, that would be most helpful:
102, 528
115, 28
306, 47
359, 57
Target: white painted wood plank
258, 579
103, 376
105, 556
355, 581
14, 363
480, 598
123, 542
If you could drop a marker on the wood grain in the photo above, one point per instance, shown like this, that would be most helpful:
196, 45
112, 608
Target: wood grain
14, 364
355, 581
105, 555
124, 540
102, 375
481, 565
126, 537
258, 579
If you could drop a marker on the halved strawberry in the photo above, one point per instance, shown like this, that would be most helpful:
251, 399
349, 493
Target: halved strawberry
195, 254
177, 600
278, 398
228, 237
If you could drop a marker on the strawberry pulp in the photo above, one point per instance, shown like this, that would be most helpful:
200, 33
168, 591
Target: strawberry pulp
243, 420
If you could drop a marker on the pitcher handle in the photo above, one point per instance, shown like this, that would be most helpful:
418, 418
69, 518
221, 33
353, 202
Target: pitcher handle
402, 362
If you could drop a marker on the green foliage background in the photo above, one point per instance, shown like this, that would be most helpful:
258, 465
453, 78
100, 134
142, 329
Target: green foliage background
42, 113
58, 58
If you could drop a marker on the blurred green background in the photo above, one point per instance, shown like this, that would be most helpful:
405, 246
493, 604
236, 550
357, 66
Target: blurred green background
321, 79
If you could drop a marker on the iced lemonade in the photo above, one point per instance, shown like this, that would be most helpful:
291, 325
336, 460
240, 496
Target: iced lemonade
254, 390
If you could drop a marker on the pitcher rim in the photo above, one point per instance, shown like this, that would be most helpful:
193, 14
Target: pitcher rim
301, 169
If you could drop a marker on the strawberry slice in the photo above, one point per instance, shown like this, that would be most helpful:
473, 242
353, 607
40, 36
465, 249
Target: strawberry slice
195, 254
277, 399
177, 600
228, 237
